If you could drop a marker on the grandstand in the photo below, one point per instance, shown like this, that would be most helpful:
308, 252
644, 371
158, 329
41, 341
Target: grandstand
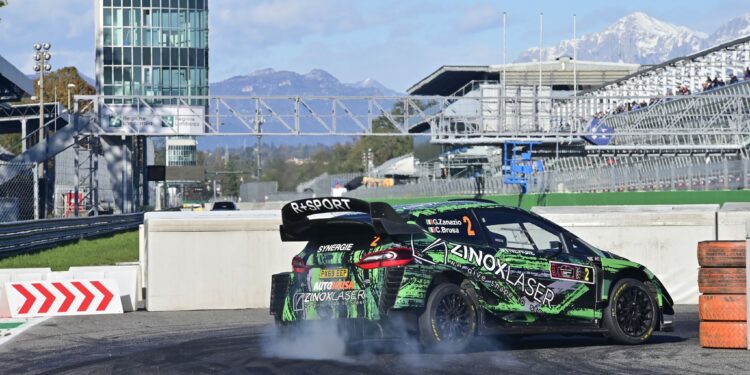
662, 127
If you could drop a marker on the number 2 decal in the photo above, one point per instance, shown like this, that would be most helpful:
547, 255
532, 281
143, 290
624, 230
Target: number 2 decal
469, 231
586, 277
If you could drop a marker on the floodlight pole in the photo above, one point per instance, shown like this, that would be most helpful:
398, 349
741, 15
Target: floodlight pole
42, 58
575, 75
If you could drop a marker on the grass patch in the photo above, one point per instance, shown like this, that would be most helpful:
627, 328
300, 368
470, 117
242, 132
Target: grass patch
121, 247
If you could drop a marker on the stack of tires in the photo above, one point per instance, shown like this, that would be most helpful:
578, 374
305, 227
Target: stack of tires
722, 307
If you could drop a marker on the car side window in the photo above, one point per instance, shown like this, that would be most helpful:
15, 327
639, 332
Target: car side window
577, 248
544, 239
458, 226
517, 232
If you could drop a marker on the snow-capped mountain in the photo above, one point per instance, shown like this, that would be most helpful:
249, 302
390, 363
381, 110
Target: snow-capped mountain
636, 38
270, 82
736, 28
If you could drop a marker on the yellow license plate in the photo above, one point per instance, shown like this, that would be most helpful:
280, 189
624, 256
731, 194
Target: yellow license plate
335, 273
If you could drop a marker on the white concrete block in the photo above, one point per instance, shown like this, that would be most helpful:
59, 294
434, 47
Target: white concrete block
731, 219
662, 238
214, 262
59, 276
28, 276
18, 271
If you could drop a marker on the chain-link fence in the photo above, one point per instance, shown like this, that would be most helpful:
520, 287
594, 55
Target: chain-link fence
588, 174
257, 191
645, 174
16, 192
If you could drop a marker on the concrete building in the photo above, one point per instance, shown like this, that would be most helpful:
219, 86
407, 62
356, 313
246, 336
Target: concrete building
152, 48
181, 152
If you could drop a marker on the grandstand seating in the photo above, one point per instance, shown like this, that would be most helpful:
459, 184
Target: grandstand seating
715, 117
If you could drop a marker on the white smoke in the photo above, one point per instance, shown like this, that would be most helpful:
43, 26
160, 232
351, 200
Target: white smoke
313, 340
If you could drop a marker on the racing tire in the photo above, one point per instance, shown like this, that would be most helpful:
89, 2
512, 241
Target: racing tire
449, 320
722, 307
721, 280
721, 253
632, 313
725, 335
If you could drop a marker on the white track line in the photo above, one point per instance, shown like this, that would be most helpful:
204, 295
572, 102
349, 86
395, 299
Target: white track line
15, 332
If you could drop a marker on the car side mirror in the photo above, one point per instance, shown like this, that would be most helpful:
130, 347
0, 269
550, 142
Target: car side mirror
555, 248
499, 240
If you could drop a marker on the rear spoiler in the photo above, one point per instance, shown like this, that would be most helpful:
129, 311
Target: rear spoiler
383, 218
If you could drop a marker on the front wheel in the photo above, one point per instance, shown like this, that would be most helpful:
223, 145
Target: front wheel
632, 313
449, 320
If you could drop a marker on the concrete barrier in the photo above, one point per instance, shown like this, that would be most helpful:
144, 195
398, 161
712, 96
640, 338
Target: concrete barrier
213, 260
731, 220
663, 238
224, 260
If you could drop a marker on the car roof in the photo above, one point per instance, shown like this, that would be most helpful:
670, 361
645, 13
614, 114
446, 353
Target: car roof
430, 208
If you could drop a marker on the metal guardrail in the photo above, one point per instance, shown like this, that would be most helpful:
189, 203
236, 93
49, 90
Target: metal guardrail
26, 236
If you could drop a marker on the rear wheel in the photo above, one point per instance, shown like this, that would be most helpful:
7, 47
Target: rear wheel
449, 320
632, 313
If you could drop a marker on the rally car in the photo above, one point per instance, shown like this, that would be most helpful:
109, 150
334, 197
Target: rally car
447, 271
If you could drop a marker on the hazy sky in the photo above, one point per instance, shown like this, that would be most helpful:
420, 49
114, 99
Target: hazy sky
396, 42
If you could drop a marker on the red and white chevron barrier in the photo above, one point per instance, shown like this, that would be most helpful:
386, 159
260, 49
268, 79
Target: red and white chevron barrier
59, 298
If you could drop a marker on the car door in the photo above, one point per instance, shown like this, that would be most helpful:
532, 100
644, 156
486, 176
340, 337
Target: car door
537, 273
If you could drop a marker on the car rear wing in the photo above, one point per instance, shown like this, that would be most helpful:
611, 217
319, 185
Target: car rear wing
297, 226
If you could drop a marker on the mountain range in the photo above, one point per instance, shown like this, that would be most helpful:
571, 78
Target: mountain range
270, 82
642, 39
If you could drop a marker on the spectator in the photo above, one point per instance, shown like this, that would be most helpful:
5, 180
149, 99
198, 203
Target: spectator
747, 73
708, 84
733, 79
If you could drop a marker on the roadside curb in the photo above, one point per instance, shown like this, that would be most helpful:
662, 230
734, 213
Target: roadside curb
11, 328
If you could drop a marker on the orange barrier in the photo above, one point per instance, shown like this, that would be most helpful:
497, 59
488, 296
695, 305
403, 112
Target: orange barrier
723, 306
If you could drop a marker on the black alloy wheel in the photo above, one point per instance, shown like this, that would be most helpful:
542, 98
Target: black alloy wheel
632, 314
453, 317
449, 320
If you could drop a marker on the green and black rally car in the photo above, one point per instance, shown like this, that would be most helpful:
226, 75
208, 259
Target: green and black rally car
450, 270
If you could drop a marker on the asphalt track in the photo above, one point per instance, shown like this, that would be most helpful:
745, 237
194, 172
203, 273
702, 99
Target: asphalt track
242, 341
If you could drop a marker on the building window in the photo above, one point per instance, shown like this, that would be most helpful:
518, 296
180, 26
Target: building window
107, 17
